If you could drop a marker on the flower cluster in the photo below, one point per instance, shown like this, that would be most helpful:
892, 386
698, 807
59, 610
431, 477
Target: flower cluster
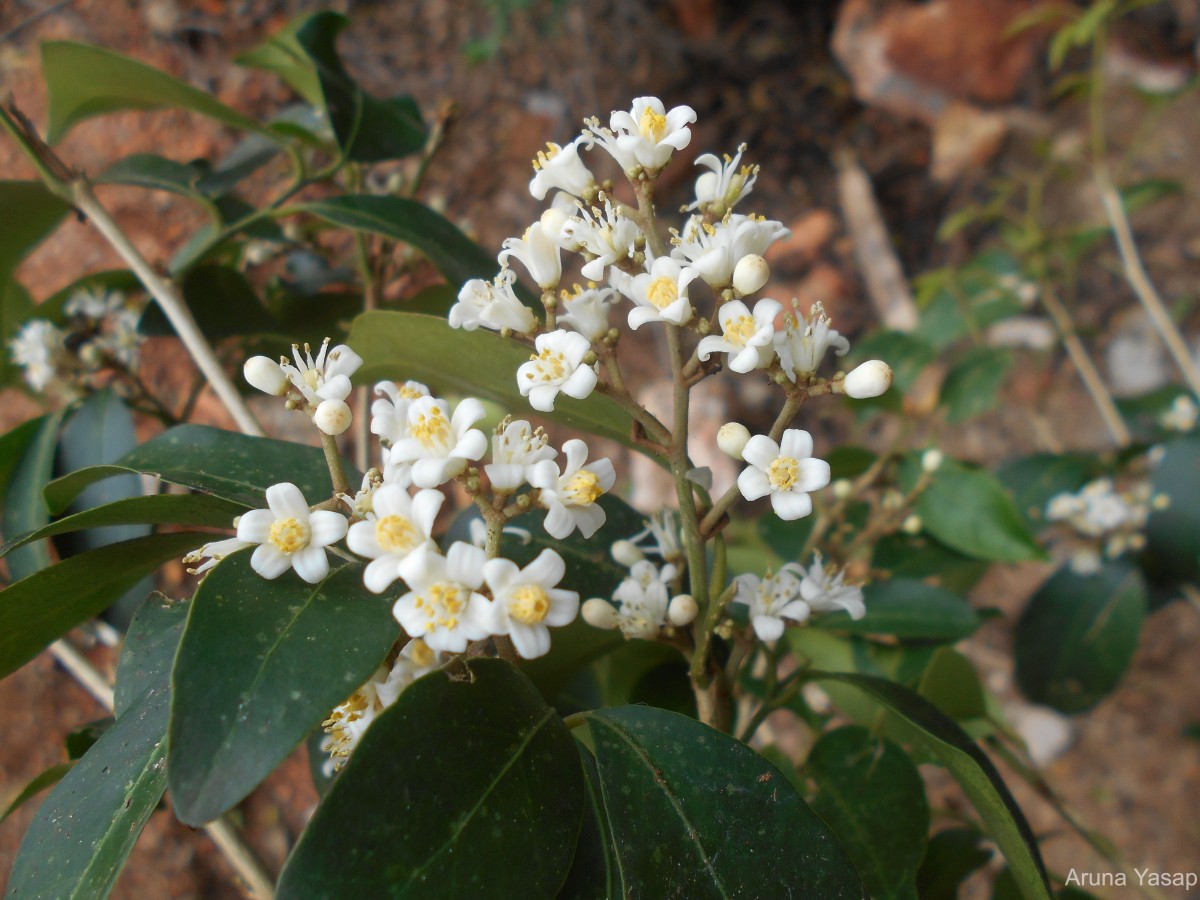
318, 385
795, 593
1101, 522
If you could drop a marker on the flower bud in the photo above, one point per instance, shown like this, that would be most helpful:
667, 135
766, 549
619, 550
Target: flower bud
732, 439
333, 416
931, 460
912, 525
599, 614
870, 379
682, 610
627, 553
264, 373
750, 274
842, 488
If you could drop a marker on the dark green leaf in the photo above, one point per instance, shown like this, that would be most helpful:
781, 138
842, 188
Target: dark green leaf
593, 874
234, 466
30, 213
694, 813
908, 609
260, 665
13, 446
951, 684
455, 255
48, 778
972, 387
84, 81
81, 740
463, 788
970, 512
158, 509
24, 508
1077, 635
480, 363
1173, 534
785, 538
37, 609
952, 856
872, 796
940, 736
148, 651
1035, 480
283, 54
223, 303
368, 129
923, 558
148, 170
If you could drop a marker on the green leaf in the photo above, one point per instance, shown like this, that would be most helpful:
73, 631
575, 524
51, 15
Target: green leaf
972, 387
84, 81
148, 651
1173, 534
940, 736
593, 872
283, 54
24, 508
951, 684
30, 213
223, 303
1150, 190
84, 832
969, 511
40, 782
1035, 480
452, 253
910, 610
872, 796
786, 538
368, 129
234, 466
82, 739
1078, 633
466, 788
41, 607
694, 813
479, 363
154, 172
953, 854
197, 510
922, 558
260, 665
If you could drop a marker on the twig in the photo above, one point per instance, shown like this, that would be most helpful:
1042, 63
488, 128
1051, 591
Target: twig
33, 17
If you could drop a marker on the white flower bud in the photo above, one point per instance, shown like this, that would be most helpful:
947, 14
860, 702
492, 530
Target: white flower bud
599, 614
627, 553
750, 274
912, 525
842, 488
931, 460
732, 439
264, 373
870, 379
333, 416
682, 610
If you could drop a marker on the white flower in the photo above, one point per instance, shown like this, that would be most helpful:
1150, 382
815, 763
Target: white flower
683, 610
363, 501
570, 496
645, 136
745, 337
870, 379
444, 606
399, 525
93, 303
557, 366
348, 721
325, 378
786, 471
527, 600
715, 249
289, 536
538, 252
122, 341
516, 448
643, 600
719, 191
750, 274
213, 552
604, 232
560, 168
389, 414
415, 660
492, 304
661, 294
1181, 416
664, 533
439, 446
770, 601
824, 591
586, 309
38, 348
802, 343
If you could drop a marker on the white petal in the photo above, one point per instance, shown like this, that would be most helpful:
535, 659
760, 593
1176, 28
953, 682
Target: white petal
531, 641
754, 483
255, 526
425, 508
813, 475
797, 443
500, 574
581, 383
472, 445
464, 564
466, 414
559, 523
797, 611
311, 563
380, 574
325, 527
589, 519
760, 451
429, 473
286, 500
361, 540
546, 570
790, 505
270, 562
541, 397
768, 628
564, 607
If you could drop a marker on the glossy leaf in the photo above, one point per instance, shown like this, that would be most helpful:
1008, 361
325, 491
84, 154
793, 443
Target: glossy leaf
872, 796
30, 213
24, 508
84, 81
479, 363
466, 787
1173, 534
452, 253
969, 511
1077, 635
260, 666
223, 302
972, 387
680, 829
283, 54
908, 609
368, 129
43, 606
234, 466
922, 558
1035, 480
593, 874
41, 781
154, 172
951, 684
953, 854
148, 651
941, 737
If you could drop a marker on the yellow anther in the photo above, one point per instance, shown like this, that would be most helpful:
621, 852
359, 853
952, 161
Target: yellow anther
662, 292
582, 489
288, 535
783, 472
529, 604
396, 534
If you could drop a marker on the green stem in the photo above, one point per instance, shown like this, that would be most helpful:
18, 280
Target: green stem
333, 459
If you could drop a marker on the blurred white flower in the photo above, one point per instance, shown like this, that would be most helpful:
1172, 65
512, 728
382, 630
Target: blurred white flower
213, 552
715, 249
560, 168
645, 136
770, 600
38, 349
825, 591
719, 191
586, 309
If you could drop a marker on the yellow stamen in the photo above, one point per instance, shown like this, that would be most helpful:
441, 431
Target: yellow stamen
652, 125
582, 489
529, 604
783, 472
662, 292
432, 430
396, 534
550, 365
740, 330
288, 535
